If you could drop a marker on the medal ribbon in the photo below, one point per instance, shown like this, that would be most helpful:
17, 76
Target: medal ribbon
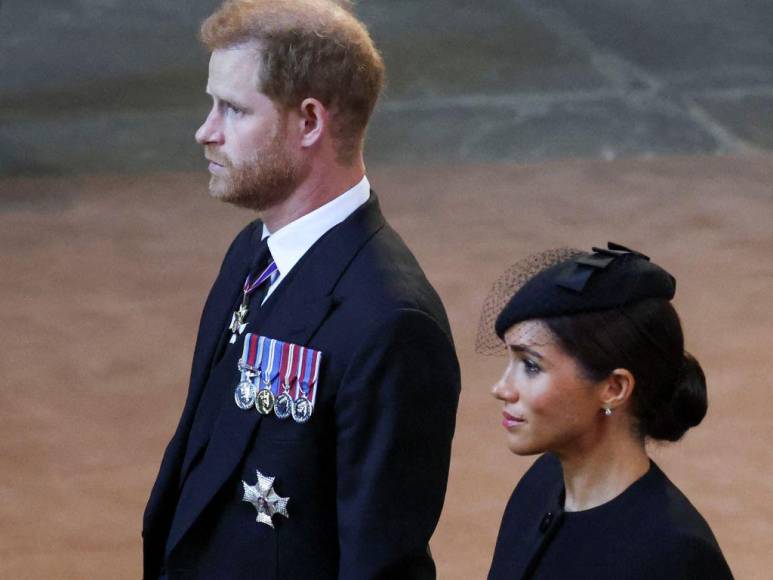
252, 347
271, 370
317, 360
264, 354
310, 360
298, 373
250, 284
288, 352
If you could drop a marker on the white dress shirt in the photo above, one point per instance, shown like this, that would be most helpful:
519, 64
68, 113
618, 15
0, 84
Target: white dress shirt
290, 243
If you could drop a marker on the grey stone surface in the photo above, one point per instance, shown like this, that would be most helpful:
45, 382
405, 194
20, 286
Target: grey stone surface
436, 48
697, 42
117, 85
595, 127
61, 44
748, 116
135, 142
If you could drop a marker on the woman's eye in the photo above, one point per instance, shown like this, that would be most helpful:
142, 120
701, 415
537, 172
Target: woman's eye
532, 368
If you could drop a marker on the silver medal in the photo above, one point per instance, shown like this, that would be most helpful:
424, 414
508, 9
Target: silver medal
245, 391
244, 394
283, 406
302, 409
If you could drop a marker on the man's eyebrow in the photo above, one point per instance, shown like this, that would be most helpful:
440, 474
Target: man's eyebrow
227, 101
524, 348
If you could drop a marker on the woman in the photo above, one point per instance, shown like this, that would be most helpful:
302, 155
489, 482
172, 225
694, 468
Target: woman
597, 366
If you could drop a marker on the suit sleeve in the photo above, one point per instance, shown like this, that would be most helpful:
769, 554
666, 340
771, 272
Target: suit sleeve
395, 418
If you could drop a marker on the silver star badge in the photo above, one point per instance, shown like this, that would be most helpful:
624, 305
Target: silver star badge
264, 499
237, 325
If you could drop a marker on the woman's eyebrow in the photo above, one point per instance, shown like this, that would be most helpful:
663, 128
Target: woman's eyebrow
524, 348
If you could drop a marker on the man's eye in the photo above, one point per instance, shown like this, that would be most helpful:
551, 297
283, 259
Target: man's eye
232, 109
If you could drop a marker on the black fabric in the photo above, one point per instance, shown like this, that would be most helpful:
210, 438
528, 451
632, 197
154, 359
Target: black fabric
649, 531
599, 280
366, 476
206, 414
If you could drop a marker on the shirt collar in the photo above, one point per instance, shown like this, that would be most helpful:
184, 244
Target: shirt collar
290, 243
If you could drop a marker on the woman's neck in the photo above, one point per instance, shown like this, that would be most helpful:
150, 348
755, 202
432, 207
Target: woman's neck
593, 476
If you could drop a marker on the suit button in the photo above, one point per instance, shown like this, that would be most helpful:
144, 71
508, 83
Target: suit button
545, 523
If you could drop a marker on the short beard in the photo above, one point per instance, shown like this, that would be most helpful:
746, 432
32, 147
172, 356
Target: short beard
270, 179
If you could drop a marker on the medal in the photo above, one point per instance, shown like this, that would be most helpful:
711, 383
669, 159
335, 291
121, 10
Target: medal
302, 409
308, 367
239, 316
265, 500
278, 377
238, 325
264, 401
283, 407
245, 392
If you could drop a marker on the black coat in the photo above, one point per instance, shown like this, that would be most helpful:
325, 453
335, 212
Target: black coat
366, 476
649, 532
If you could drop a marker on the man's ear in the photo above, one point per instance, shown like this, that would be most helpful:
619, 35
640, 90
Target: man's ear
313, 122
617, 390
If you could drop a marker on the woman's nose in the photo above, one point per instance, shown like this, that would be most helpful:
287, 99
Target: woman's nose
505, 390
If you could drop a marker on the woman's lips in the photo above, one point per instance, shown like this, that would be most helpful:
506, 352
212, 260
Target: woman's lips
510, 421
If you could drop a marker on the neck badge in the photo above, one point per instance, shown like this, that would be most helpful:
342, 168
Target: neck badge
265, 500
239, 316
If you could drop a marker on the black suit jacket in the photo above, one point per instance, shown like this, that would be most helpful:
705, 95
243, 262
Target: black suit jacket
649, 532
366, 476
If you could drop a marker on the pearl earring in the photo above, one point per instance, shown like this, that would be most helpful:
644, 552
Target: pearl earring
607, 411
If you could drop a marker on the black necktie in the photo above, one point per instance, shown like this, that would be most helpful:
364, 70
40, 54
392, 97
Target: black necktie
260, 261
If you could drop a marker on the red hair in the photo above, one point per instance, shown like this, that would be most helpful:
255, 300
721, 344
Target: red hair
308, 48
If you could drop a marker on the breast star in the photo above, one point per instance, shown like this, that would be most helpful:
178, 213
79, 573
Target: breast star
265, 500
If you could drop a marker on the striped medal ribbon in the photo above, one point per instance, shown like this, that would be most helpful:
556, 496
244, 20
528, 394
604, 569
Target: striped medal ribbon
264, 400
308, 373
283, 407
249, 366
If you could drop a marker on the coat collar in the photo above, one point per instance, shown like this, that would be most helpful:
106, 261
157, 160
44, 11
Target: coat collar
292, 313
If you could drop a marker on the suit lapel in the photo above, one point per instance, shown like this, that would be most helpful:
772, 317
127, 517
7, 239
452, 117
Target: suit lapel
293, 313
220, 300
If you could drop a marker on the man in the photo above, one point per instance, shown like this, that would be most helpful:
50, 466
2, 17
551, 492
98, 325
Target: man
315, 439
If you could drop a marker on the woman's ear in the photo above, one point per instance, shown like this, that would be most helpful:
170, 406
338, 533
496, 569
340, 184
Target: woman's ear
618, 388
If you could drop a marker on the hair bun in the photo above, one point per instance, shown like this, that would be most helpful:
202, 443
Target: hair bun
687, 406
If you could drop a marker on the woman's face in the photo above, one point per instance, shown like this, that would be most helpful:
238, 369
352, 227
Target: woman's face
548, 404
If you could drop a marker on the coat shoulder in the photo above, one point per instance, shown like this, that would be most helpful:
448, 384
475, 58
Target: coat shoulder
385, 276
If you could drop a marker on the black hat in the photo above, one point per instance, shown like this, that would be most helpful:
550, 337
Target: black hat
587, 282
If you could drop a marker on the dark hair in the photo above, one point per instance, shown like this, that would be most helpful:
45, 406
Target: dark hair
646, 338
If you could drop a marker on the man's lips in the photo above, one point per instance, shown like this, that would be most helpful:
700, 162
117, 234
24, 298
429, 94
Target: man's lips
214, 166
510, 421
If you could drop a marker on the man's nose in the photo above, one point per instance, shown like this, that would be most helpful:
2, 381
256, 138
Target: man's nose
210, 131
